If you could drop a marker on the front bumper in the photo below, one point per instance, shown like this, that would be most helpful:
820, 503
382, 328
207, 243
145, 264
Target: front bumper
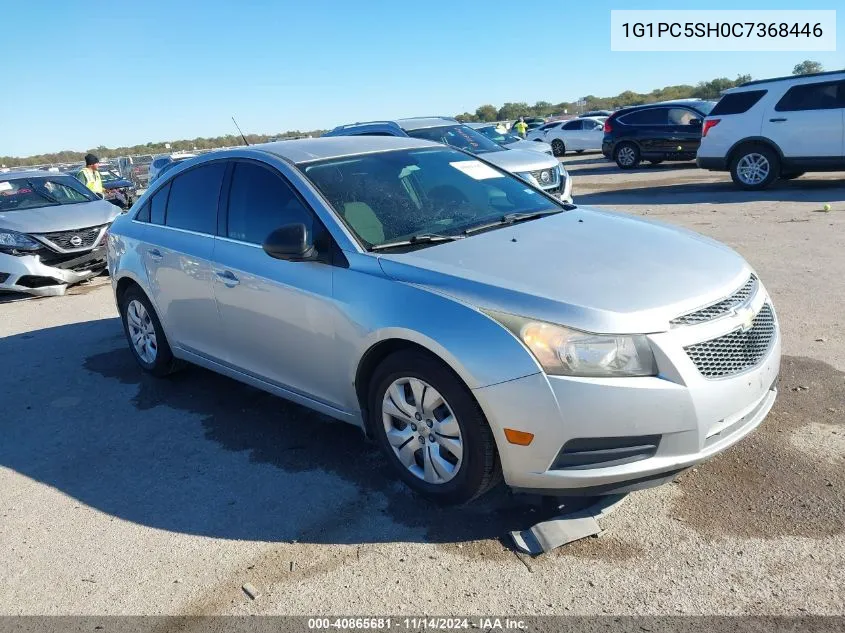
693, 417
27, 274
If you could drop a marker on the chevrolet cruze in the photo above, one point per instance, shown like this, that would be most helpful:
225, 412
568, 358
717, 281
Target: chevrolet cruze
472, 325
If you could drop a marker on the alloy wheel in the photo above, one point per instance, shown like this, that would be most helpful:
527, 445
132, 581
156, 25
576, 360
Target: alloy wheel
422, 430
141, 331
626, 155
753, 168
558, 148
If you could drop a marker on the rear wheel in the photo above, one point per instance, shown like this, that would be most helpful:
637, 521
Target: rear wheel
754, 167
558, 147
432, 429
627, 156
144, 333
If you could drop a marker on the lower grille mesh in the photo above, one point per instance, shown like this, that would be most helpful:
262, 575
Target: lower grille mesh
737, 351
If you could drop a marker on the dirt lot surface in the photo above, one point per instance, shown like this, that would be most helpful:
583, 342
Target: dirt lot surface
123, 494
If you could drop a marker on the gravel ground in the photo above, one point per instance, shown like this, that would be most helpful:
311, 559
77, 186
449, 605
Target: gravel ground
122, 494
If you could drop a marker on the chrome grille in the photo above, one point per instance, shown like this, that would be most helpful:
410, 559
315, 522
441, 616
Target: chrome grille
720, 308
737, 351
65, 239
552, 175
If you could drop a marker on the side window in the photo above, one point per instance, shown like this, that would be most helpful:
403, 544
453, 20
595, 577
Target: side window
158, 204
260, 201
652, 116
572, 125
737, 102
681, 116
143, 214
193, 199
817, 96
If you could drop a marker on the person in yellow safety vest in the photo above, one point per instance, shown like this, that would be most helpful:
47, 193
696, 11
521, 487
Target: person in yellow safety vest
521, 127
90, 174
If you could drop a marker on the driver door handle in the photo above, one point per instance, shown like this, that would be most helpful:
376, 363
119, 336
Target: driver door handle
227, 277
154, 253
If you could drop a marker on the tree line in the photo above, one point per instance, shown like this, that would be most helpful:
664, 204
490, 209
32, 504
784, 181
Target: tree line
509, 111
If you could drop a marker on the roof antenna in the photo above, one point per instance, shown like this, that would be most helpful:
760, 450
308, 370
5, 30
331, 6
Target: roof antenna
246, 142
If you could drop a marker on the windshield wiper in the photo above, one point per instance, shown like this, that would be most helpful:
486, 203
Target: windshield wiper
43, 194
422, 238
512, 218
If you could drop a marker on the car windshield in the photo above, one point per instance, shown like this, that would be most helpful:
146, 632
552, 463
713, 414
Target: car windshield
35, 192
502, 138
427, 192
459, 136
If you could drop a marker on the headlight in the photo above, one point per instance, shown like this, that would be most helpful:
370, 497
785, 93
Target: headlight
528, 177
565, 352
17, 241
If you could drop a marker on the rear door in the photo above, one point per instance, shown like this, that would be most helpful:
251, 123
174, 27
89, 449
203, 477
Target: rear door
277, 316
178, 257
684, 130
807, 122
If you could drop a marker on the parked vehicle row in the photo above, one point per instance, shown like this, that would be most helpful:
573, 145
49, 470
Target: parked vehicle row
537, 168
461, 318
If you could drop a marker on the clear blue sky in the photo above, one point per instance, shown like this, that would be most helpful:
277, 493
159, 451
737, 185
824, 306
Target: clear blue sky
155, 71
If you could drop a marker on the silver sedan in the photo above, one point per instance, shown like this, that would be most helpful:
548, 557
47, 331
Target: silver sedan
473, 326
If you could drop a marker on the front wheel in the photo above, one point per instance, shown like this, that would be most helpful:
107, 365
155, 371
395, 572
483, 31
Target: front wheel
627, 156
558, 148
432, 429
755, 167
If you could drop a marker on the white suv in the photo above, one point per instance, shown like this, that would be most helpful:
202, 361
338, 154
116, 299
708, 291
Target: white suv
777, 128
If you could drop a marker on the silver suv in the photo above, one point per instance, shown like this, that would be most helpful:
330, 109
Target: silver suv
540, 170
461, 318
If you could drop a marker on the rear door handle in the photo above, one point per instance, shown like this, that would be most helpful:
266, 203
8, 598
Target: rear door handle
777, 120
227, 277
154, 253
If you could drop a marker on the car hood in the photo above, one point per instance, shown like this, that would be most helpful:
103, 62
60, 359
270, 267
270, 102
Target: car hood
63, 217
592, 270
121, 183
520, 160
530, 146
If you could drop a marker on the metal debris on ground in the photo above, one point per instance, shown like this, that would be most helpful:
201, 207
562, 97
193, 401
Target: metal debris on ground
250, 590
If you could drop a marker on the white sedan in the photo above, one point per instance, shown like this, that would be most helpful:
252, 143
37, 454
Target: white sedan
574, 135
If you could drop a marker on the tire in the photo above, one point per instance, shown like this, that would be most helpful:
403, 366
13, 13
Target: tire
159, 361
754, 167
792, 175
558, 147
627, 156
453, 479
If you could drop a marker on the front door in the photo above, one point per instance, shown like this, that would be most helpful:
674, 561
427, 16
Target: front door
277, 316
807, 122
684, 131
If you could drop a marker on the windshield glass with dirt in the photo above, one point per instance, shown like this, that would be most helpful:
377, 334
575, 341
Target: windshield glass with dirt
32, 193
406, 194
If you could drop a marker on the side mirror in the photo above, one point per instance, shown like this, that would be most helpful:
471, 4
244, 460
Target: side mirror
292, 242
695, 122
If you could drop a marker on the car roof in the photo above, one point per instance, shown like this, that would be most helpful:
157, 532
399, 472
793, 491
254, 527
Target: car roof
480, 125
690, 103
418, 123
757, 82
29, 173
309, 149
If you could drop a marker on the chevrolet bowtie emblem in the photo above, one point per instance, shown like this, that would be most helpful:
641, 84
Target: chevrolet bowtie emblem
747, 317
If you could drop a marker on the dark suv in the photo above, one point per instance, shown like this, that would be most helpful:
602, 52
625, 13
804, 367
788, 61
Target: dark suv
654, 132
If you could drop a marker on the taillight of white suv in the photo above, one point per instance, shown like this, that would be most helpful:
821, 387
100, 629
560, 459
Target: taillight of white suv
707, 125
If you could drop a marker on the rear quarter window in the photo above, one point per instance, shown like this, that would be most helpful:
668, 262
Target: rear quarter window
737, 102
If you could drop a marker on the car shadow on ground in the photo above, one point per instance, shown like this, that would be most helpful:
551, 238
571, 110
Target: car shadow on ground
802, 190
198, 453
608, 168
